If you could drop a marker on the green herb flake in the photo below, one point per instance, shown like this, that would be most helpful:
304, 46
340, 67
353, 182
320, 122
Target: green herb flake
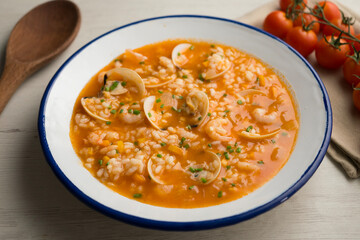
113, 111
102, 100
149, 114
161, 92
240, 102
158, 100
192, 47
163, 144
201, 78
188, 127
114, 85
173, 96
121, 110
136, 112
226, 111
238, 150
136, 143
178, 54
107, 89
231, 150
180, 97
109, 107
191, 187
203, 180
260, 162
182, 140
233, 184
225, 95
162, 112
224, 179
162, 106
220, 194
137, 195
130, 111
212, 45
257, 80
107, 164
273, 141
123, 84
134, 103
209, 114
209, 145
100, 162
122, 104
186, 146
228, 147
159, 155
226, 155
142, 62
108, 123
228, 167
174, 109
191, 169
184, 76
248, 129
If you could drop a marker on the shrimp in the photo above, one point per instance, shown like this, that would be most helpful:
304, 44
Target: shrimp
260, 115
215, 129
131, 117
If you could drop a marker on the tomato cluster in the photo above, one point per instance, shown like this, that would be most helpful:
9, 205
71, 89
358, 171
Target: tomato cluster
317, 29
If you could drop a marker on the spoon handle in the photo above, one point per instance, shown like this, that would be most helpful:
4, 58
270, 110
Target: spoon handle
13, 75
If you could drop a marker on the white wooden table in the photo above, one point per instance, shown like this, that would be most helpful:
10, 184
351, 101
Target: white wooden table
35, 205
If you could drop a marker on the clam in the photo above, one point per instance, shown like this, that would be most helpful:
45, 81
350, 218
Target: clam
206, 174
177, 56
119, 78
256, 136
148, 106
151, 174
215, 60
197, 106
83, 103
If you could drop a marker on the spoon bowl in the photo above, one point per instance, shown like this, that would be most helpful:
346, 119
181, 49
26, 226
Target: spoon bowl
38, 37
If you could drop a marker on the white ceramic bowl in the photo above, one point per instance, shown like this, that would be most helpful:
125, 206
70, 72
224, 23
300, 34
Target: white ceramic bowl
61, 93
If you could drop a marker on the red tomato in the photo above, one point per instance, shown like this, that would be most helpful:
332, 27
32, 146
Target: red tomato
328, 56
329, 30
308, 18
356, 44
351, 67
287, 4
277, 24
331, 11
303, 41
356, 96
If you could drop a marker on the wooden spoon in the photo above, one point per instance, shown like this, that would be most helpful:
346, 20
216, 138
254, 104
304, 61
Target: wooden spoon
38, 37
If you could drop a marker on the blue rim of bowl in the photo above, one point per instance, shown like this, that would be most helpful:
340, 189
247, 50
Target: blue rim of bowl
196, 225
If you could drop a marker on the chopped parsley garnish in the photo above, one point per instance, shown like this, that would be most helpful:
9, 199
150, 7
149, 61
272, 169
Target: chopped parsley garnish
122, 104
193, 170
107, 164
220, 194
273, 141
231, 150
161, 92
261, 162
163, 144
107, 89
212, 45
203, 180
238, 150
188, 127
114, 85
121, 110
186, 146
184, 76
192, 47
228, 167
102, 100
233, 184
162, 112
149, 114
209, 114
228, 147
136, 112
134, 103
180, 97
257, 79
225, 95
199, 118
109, 107
158, 100
182, 140
178, 54
123, 84
113, 111
191, 187
136, 143
173, 96
137, 195
130, 111
159, 155
224, 179
248, 129
100, 162
162, 106
209, 145
240, 102
108, 123
226, 154
201, 78
226, 111
174, 109
142, 62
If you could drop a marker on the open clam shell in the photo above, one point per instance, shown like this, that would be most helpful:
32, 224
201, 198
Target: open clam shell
178, 57
212, 74
84, 105
197, 106
124, 75
151, 173
208, 174
256, 136
148, 106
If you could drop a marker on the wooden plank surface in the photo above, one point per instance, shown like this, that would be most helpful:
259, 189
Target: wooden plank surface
35, 205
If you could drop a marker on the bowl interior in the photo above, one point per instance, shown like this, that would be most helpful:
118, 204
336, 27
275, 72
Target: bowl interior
59, 99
